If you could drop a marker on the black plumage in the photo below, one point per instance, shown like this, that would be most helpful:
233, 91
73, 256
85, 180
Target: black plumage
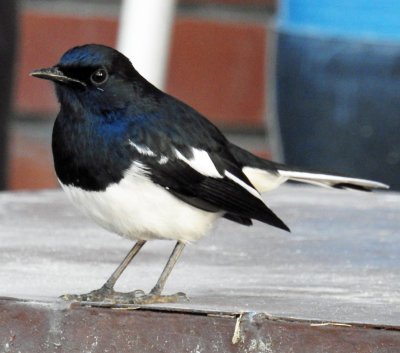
91, 139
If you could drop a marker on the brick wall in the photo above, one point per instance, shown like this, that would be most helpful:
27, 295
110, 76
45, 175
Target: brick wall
217, 59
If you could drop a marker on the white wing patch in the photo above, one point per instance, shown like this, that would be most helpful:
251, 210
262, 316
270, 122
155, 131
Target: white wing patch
142, 149
200, 162
163, 160
145, 151
251, 190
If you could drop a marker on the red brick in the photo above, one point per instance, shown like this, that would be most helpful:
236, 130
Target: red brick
43, 39
219, 68
30, 165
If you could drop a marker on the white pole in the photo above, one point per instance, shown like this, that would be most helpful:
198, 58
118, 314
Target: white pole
144, 36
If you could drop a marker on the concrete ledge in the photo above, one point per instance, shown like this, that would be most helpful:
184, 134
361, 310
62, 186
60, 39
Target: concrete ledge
332, 285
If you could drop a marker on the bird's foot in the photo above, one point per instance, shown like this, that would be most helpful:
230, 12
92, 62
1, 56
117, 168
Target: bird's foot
158, 298
102, 294
109, 296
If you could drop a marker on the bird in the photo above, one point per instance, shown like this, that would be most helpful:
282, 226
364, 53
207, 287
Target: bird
145, 165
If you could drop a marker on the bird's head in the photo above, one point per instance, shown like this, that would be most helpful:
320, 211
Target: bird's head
93, 76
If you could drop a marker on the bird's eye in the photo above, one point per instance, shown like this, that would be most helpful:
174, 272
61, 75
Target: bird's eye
99, 76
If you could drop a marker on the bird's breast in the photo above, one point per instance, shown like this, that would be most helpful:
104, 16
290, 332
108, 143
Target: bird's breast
85, 158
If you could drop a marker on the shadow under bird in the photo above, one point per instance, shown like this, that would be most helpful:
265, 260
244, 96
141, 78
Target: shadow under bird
147, 166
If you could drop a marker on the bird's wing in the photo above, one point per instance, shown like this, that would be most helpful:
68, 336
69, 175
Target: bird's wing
266, 175
209, 180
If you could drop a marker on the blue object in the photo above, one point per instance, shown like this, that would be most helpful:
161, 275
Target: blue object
338, 86
346, 18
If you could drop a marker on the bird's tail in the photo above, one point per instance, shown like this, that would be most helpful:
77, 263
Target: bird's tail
266, 175
336, 181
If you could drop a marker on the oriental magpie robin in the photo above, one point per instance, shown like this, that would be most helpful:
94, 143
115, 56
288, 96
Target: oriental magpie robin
146, 166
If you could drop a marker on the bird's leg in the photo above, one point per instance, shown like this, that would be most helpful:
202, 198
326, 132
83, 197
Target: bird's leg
155, 294
123, 265
107, 293
107, 290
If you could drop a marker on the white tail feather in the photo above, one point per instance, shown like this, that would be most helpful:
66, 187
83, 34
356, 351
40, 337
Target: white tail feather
330, 180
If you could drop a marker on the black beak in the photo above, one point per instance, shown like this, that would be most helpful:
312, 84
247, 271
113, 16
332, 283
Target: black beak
55, 74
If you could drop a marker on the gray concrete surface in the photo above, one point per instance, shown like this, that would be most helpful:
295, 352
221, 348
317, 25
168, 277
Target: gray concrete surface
340, 263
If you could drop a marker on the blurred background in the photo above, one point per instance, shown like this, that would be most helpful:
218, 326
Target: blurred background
312, 82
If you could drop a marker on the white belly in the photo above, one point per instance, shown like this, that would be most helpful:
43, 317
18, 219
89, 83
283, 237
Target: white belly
136, 208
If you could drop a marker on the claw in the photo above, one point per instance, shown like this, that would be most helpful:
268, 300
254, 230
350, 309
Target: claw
138, 293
